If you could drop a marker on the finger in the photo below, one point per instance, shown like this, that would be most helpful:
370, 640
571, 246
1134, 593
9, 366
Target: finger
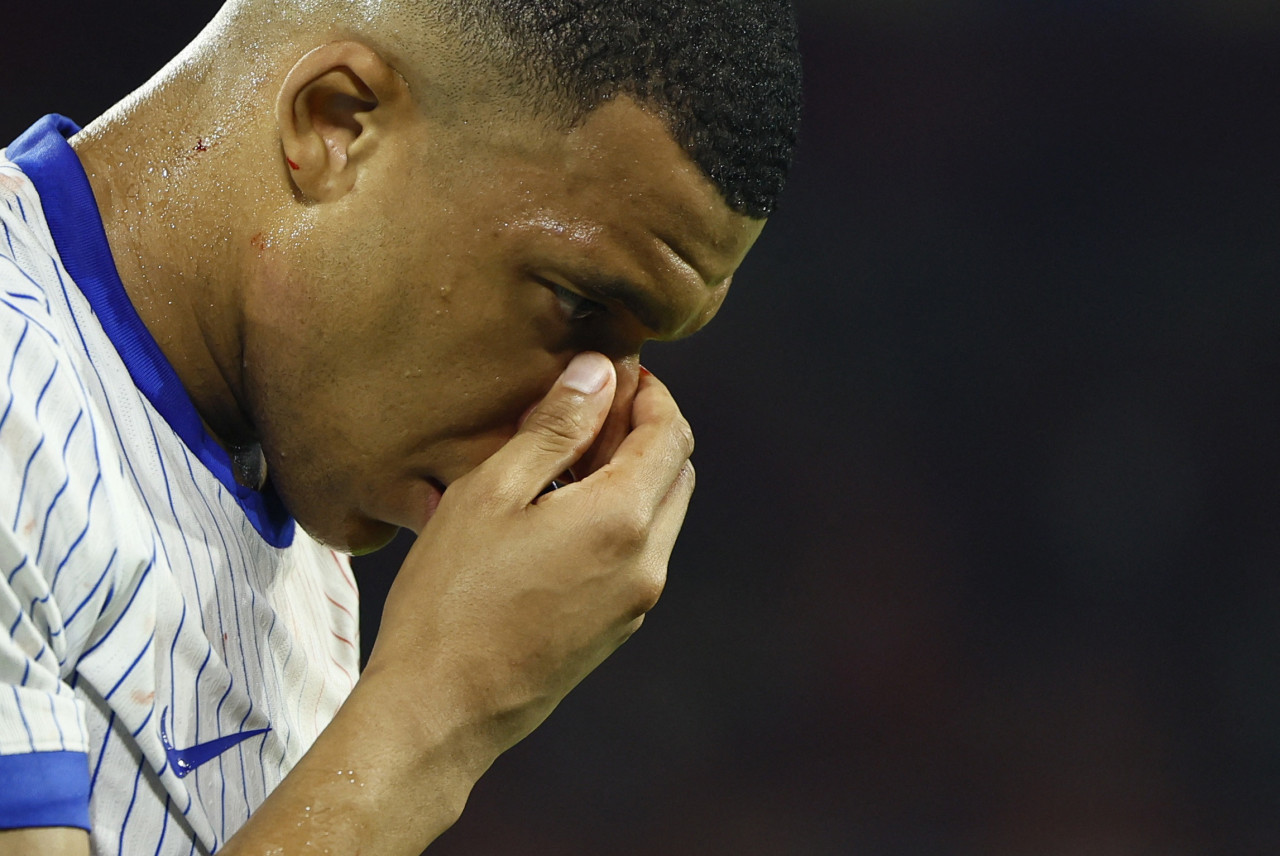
670, 513
618, 423
668, 519
651, 457
658, 541
554, 435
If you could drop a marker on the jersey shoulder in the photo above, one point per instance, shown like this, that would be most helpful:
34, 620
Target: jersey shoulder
65, 503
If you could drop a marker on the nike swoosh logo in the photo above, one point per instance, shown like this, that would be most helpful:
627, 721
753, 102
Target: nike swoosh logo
184, 761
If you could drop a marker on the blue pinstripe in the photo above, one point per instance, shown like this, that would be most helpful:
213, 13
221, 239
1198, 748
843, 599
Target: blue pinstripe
31, 738
17, 568
62, 738
200, 673
137, 588
165, 827
132, 666
38, 296
143, 724
26, 472
44, 530
19, 311
97, 480
262, 747
102, 751
31, 611
81, 605
62, 488
222, 774
124, 825
173, 688
26, 325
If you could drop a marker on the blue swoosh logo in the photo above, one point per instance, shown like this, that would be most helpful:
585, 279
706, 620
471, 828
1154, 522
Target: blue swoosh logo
184, 761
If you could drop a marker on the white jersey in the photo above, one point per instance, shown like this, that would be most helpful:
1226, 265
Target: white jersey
170, 642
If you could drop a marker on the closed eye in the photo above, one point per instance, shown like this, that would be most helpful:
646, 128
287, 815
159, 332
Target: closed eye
575, 306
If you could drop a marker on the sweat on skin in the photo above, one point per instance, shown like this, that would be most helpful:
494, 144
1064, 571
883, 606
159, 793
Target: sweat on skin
419, 295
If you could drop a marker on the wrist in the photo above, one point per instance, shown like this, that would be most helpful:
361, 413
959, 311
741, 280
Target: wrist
385, 778
414, 741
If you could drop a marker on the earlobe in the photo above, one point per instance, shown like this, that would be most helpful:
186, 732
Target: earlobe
332, 108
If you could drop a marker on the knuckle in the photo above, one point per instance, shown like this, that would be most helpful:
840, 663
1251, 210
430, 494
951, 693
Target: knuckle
626, 532
682, 435
554, 421
688, 477
479, 493
494, 499
646, 594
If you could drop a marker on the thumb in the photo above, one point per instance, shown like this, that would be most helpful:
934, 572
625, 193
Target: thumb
555, 434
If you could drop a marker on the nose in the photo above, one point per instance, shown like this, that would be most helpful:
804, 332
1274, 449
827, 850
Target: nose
628, 371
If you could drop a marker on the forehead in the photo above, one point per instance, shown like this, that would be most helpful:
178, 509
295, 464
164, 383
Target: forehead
626, 155
617, 200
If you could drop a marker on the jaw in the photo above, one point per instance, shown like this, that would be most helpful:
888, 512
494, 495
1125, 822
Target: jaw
356, 516
371, 542
351, 533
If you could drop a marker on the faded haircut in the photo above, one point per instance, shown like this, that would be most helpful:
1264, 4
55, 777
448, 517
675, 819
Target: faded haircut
723, 74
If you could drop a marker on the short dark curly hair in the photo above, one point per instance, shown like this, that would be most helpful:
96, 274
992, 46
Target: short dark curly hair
724, 74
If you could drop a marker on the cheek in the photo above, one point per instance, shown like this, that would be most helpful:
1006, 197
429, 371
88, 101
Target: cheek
382, 359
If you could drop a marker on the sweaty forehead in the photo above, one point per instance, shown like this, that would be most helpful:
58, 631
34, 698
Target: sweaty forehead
625, 157
613, 205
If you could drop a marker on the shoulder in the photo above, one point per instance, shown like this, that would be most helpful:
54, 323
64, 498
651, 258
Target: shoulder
28, 259
40, 385
29, 268
63, 485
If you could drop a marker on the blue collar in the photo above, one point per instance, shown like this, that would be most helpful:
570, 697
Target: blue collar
44, 154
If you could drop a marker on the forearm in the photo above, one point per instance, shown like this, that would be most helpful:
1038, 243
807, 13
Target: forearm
51, 841
385, 778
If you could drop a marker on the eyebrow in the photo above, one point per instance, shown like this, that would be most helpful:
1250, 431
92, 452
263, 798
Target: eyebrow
652, 313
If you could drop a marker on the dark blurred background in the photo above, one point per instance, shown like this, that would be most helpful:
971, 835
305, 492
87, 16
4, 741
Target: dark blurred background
985, 554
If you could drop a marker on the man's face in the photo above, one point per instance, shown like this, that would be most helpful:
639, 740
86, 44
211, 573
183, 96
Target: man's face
394, 338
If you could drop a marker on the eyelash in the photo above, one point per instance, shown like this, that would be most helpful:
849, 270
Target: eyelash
575, 306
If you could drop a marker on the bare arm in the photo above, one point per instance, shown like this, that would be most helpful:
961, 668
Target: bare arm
53, 841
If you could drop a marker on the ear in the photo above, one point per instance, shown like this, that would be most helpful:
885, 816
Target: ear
334, 108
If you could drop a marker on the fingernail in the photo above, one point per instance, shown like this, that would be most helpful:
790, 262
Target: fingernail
586, 373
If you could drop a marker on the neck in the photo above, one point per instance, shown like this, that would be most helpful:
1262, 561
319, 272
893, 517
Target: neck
167, 174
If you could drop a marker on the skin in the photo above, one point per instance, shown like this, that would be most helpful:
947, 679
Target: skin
386, 299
